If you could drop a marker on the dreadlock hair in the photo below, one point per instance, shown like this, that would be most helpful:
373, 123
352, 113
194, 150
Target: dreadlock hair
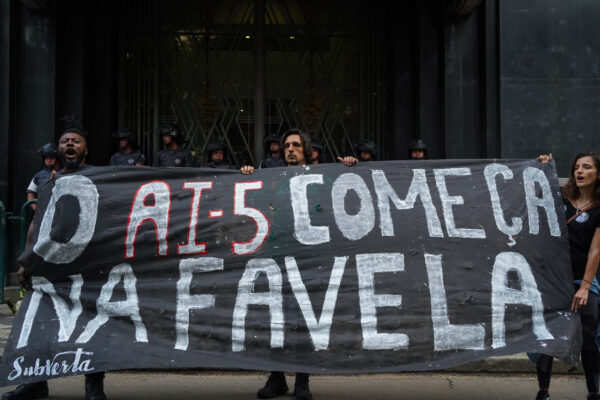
306, 145
570, 190
73, 125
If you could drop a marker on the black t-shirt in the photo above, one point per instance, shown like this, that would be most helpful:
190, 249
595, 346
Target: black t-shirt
581, 232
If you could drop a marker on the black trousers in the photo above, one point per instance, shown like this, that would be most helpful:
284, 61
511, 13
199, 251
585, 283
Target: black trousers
590, 356
299, 375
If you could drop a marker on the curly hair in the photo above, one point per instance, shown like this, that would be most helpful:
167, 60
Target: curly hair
306, 144
73, 125
570, 190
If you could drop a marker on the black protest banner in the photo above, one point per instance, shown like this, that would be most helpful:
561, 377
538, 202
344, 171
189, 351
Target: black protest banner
380, 267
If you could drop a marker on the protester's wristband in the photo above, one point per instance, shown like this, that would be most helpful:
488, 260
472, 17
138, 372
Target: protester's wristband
585, 280
585, 287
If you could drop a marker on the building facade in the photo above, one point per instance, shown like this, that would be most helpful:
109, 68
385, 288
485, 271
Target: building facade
472, 78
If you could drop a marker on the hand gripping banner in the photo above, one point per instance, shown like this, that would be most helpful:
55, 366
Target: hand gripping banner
379, 267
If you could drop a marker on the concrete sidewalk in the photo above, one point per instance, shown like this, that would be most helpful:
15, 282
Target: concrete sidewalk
225, 385
6, 321
517, 363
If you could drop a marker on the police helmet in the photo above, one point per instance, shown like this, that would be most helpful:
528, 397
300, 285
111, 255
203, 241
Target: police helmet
213, 146
169, 129
272, 138
316, 144
366, 145
48, 150
122, 134
417, 144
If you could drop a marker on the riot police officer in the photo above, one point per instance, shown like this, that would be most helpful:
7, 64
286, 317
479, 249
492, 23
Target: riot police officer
366, 150
49, 154
417, 150
216, 155
174, 154
273, 152
317, 152
128, 153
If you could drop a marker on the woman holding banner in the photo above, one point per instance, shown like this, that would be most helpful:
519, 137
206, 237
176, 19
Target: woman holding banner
581, 197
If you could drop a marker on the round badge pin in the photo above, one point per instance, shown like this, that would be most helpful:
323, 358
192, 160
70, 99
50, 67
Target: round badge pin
582, 218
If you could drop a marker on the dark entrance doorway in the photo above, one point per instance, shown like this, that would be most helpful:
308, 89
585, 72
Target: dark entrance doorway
241, 70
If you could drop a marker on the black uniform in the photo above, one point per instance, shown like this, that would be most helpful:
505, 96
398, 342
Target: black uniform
219, 165
133, 158
40, 177
179, 157
272, 162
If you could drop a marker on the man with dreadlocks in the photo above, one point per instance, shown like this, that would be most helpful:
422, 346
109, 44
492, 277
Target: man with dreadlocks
72, 151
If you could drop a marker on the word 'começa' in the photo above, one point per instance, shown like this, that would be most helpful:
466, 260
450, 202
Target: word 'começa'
536, 191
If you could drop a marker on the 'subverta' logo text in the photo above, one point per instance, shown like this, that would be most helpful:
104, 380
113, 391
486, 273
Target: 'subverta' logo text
61, 364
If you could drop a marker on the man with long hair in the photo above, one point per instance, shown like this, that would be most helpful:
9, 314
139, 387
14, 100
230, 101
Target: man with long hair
296, 149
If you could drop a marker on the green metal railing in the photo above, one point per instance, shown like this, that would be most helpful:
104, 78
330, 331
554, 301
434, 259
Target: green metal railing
23, 220
3, 256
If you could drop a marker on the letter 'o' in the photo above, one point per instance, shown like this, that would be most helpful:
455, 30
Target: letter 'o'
353, 227
84, 190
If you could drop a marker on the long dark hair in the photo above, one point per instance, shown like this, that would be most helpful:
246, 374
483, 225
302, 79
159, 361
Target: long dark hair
306, 144
570, 190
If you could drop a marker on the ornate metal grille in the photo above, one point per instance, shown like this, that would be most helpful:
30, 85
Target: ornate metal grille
192, 62
138, 108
